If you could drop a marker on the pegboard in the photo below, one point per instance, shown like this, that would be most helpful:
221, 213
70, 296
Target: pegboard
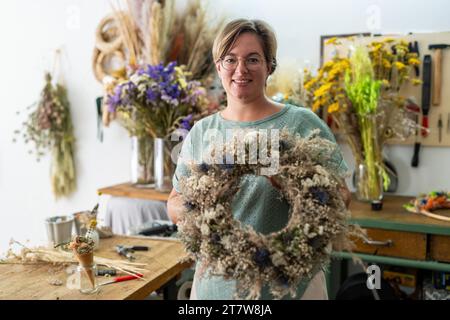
410, 91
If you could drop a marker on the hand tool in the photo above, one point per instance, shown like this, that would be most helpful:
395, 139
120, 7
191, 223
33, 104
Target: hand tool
414, 48
126, 251
440, 127
123, 278
426, 92
437, 71
414, 108
104, 272
448, 123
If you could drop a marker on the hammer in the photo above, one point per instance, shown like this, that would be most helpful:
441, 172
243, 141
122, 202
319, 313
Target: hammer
437, 71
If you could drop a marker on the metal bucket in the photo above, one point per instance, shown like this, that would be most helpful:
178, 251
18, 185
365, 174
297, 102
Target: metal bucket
59, 229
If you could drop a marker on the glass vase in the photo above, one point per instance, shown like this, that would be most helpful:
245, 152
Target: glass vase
164, 165
368, 184
142, 161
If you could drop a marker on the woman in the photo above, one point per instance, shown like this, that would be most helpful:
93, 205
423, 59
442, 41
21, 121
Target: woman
245, 56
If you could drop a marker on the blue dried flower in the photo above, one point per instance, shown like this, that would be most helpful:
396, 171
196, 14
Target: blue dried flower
215, 238
203, 167
320, 195
262, 257
284, 145
282, 279
189, 205
315, 242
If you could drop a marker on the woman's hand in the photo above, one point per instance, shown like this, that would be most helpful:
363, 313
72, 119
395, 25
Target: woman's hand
273, 182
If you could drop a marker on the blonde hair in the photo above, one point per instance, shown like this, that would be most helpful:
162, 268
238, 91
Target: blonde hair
229, 34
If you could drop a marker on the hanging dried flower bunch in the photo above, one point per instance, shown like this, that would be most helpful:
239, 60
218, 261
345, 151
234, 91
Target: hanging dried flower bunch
50, 128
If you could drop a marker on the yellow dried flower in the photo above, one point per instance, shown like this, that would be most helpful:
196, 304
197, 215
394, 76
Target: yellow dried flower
399, 65
387, 64
333, 40
414, 61
416, 82
322, 90
333, 107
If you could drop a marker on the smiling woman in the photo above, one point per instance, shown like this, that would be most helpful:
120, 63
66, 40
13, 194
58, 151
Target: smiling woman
245, 56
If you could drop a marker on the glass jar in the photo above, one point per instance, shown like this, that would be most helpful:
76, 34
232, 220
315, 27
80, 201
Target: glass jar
164, 164
86, 279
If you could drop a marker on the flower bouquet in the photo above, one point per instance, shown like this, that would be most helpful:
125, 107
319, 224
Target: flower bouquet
156, 101
361, 94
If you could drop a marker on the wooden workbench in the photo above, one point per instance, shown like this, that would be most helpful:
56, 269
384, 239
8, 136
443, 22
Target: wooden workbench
417, 240
131, 191
25, 282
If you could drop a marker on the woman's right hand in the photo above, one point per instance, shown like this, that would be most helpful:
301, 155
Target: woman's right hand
273, 182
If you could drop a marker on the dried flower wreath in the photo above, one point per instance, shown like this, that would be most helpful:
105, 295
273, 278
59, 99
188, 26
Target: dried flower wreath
318, 218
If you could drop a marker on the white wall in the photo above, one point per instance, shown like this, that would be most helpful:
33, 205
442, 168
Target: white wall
31, 29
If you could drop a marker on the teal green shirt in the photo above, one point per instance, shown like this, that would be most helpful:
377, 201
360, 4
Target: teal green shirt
257, 203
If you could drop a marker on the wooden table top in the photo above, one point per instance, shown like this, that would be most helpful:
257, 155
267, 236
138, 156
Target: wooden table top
395, 217
32, 282
131, 191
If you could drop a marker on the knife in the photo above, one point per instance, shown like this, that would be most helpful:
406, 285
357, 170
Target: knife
426, 93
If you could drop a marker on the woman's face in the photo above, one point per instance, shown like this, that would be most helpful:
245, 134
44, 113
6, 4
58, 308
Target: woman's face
243, 70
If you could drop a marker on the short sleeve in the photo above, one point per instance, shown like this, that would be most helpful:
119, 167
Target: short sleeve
311, 121
185, 156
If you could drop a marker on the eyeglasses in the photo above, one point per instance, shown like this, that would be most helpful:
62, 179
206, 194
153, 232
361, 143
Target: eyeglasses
252, 63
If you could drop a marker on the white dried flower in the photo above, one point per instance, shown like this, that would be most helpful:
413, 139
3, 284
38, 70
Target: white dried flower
306, 229
278, 259
210, 214
226, 242
320, 230
204, 229
205, 182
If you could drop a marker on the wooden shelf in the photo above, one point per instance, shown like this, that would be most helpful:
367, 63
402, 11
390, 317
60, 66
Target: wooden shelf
131, 191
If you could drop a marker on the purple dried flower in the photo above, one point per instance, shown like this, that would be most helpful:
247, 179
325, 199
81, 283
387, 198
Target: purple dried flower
186, 122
